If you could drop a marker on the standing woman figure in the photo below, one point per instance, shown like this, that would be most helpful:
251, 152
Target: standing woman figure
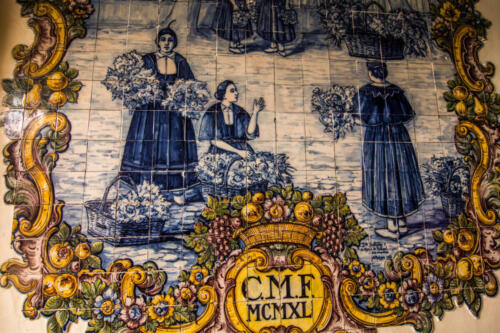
392, 187
227, 25
276, 24
161, 144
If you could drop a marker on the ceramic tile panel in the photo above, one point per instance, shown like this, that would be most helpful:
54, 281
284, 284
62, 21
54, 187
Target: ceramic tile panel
271, 166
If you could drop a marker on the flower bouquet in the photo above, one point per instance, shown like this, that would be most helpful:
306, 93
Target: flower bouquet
447, 178
131, 82
241, 18
337, 109
287, 16
189, 96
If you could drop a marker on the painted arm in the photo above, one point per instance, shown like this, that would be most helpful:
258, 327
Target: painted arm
226, 146
258, 105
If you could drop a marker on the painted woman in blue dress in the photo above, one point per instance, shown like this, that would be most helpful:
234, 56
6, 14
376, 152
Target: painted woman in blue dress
392, 187
161, 144
228, 126
275, 26
225, 26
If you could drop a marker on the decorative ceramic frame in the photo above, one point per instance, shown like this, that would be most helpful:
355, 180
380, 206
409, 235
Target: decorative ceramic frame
65, 294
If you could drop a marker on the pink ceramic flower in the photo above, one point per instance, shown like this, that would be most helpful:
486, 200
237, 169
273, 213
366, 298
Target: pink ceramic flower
81, 8
185, 293
411, 296
368, 283
134, 313
276, 209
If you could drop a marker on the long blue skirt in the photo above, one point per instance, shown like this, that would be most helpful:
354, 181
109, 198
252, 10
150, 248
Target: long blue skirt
392, 186
161, 149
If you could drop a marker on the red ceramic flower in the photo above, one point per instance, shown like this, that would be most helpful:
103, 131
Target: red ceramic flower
81, 8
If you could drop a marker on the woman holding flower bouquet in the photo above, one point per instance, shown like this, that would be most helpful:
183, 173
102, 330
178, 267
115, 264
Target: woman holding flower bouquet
161, 143
228, 126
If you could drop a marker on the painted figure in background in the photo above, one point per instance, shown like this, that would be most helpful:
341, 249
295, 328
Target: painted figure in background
276, 24
392, 186
227, 125
232, 23
161, 144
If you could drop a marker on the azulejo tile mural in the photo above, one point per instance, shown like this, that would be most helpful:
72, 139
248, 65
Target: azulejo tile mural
251, 166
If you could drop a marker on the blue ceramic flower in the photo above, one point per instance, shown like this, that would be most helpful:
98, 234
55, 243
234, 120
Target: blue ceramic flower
433, 288
107, 306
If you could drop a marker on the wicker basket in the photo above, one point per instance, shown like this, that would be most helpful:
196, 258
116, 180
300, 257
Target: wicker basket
372, 46
102, 223
453, 204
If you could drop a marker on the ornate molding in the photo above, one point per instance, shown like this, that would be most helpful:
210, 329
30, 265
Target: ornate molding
465, 52
485, 216
50, 44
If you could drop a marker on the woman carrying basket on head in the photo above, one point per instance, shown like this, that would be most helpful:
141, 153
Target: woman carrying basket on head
228, 126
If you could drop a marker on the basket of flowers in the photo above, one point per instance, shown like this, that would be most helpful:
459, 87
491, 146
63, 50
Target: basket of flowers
370, 31
448, 179
137, 213
227, 175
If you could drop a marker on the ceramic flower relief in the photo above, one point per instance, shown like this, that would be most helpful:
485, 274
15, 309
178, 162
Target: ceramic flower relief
369, 283
276, 209
162, 307
185, 293
411, 295
433, 288
107, 306
134, 313
198, 274
389, 295
81, 8
356, 268
449, 12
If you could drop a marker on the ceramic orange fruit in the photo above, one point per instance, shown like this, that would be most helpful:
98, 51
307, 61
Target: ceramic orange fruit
464, 269
66, 285
307, 196
258, 198
449, 236
304, 212
82, 250
48, 285
252, 213
465, 240
477, 265
57, 81
460, 93
58, 98
60, 255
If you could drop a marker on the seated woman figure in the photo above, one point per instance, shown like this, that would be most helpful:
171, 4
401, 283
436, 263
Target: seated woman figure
228, 126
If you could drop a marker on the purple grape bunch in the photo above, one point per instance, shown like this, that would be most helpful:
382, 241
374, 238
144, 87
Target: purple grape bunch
220, 233
333, 232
